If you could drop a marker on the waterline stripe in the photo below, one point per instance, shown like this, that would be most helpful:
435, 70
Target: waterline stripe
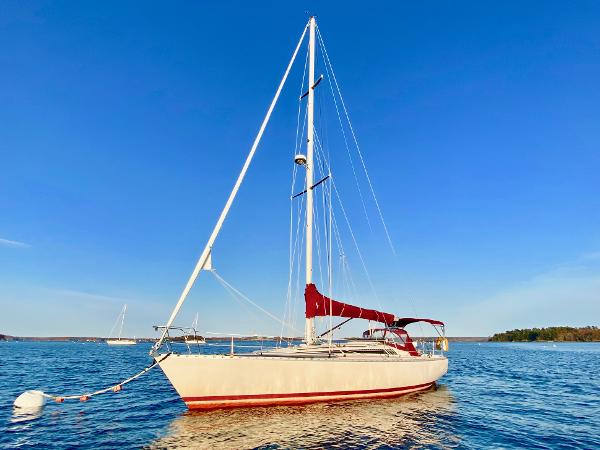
305, 394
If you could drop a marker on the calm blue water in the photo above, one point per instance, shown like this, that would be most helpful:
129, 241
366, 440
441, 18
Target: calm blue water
495, 396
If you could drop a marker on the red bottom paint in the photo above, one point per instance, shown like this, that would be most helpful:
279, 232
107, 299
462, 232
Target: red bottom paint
245, 401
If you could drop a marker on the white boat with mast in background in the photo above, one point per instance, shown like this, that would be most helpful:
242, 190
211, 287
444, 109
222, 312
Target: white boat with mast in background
120, 340
384, 362
193, 337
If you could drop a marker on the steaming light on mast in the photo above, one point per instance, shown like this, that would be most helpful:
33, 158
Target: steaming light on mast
300, 159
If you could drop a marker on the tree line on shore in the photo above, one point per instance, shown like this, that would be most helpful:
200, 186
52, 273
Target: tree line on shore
582, 334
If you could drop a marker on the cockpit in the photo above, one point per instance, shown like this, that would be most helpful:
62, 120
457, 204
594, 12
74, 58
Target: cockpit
395, 337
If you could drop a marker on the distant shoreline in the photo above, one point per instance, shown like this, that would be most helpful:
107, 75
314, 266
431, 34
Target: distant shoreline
97, 339
138, 339
8, 338
550, 334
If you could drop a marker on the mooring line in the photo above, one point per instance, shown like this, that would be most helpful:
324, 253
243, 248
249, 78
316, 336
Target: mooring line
114, 388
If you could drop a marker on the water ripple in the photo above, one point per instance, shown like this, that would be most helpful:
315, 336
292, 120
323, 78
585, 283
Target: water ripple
494, 396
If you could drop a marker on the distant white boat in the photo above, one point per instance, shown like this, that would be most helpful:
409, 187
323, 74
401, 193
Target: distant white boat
121, 340
194, 337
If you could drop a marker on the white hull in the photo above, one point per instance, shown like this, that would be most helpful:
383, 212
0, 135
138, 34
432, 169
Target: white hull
222, 381
121, 342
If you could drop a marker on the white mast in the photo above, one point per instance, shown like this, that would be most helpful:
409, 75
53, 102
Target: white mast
309, 332
122, 320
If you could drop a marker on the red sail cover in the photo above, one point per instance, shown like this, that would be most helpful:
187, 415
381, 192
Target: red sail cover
317, 305
402, 322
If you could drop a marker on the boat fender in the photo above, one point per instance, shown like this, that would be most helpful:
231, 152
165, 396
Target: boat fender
442, 344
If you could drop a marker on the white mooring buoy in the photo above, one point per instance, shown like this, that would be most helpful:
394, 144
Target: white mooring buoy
30, 399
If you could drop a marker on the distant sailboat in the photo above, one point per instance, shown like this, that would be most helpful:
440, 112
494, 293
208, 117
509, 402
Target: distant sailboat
194, 337
121, 340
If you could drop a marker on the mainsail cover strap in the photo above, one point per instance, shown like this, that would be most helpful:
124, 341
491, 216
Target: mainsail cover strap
318, 305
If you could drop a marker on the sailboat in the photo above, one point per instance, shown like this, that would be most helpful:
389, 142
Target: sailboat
383, 362
193, 337
120, 340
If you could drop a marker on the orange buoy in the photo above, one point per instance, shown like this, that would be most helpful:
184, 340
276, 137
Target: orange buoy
117, 388
59, 399
84, 398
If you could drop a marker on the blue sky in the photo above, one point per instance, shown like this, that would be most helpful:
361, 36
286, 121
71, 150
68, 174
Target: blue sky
123, 126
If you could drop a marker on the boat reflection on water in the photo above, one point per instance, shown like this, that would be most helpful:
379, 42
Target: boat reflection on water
422, 419
26, 414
